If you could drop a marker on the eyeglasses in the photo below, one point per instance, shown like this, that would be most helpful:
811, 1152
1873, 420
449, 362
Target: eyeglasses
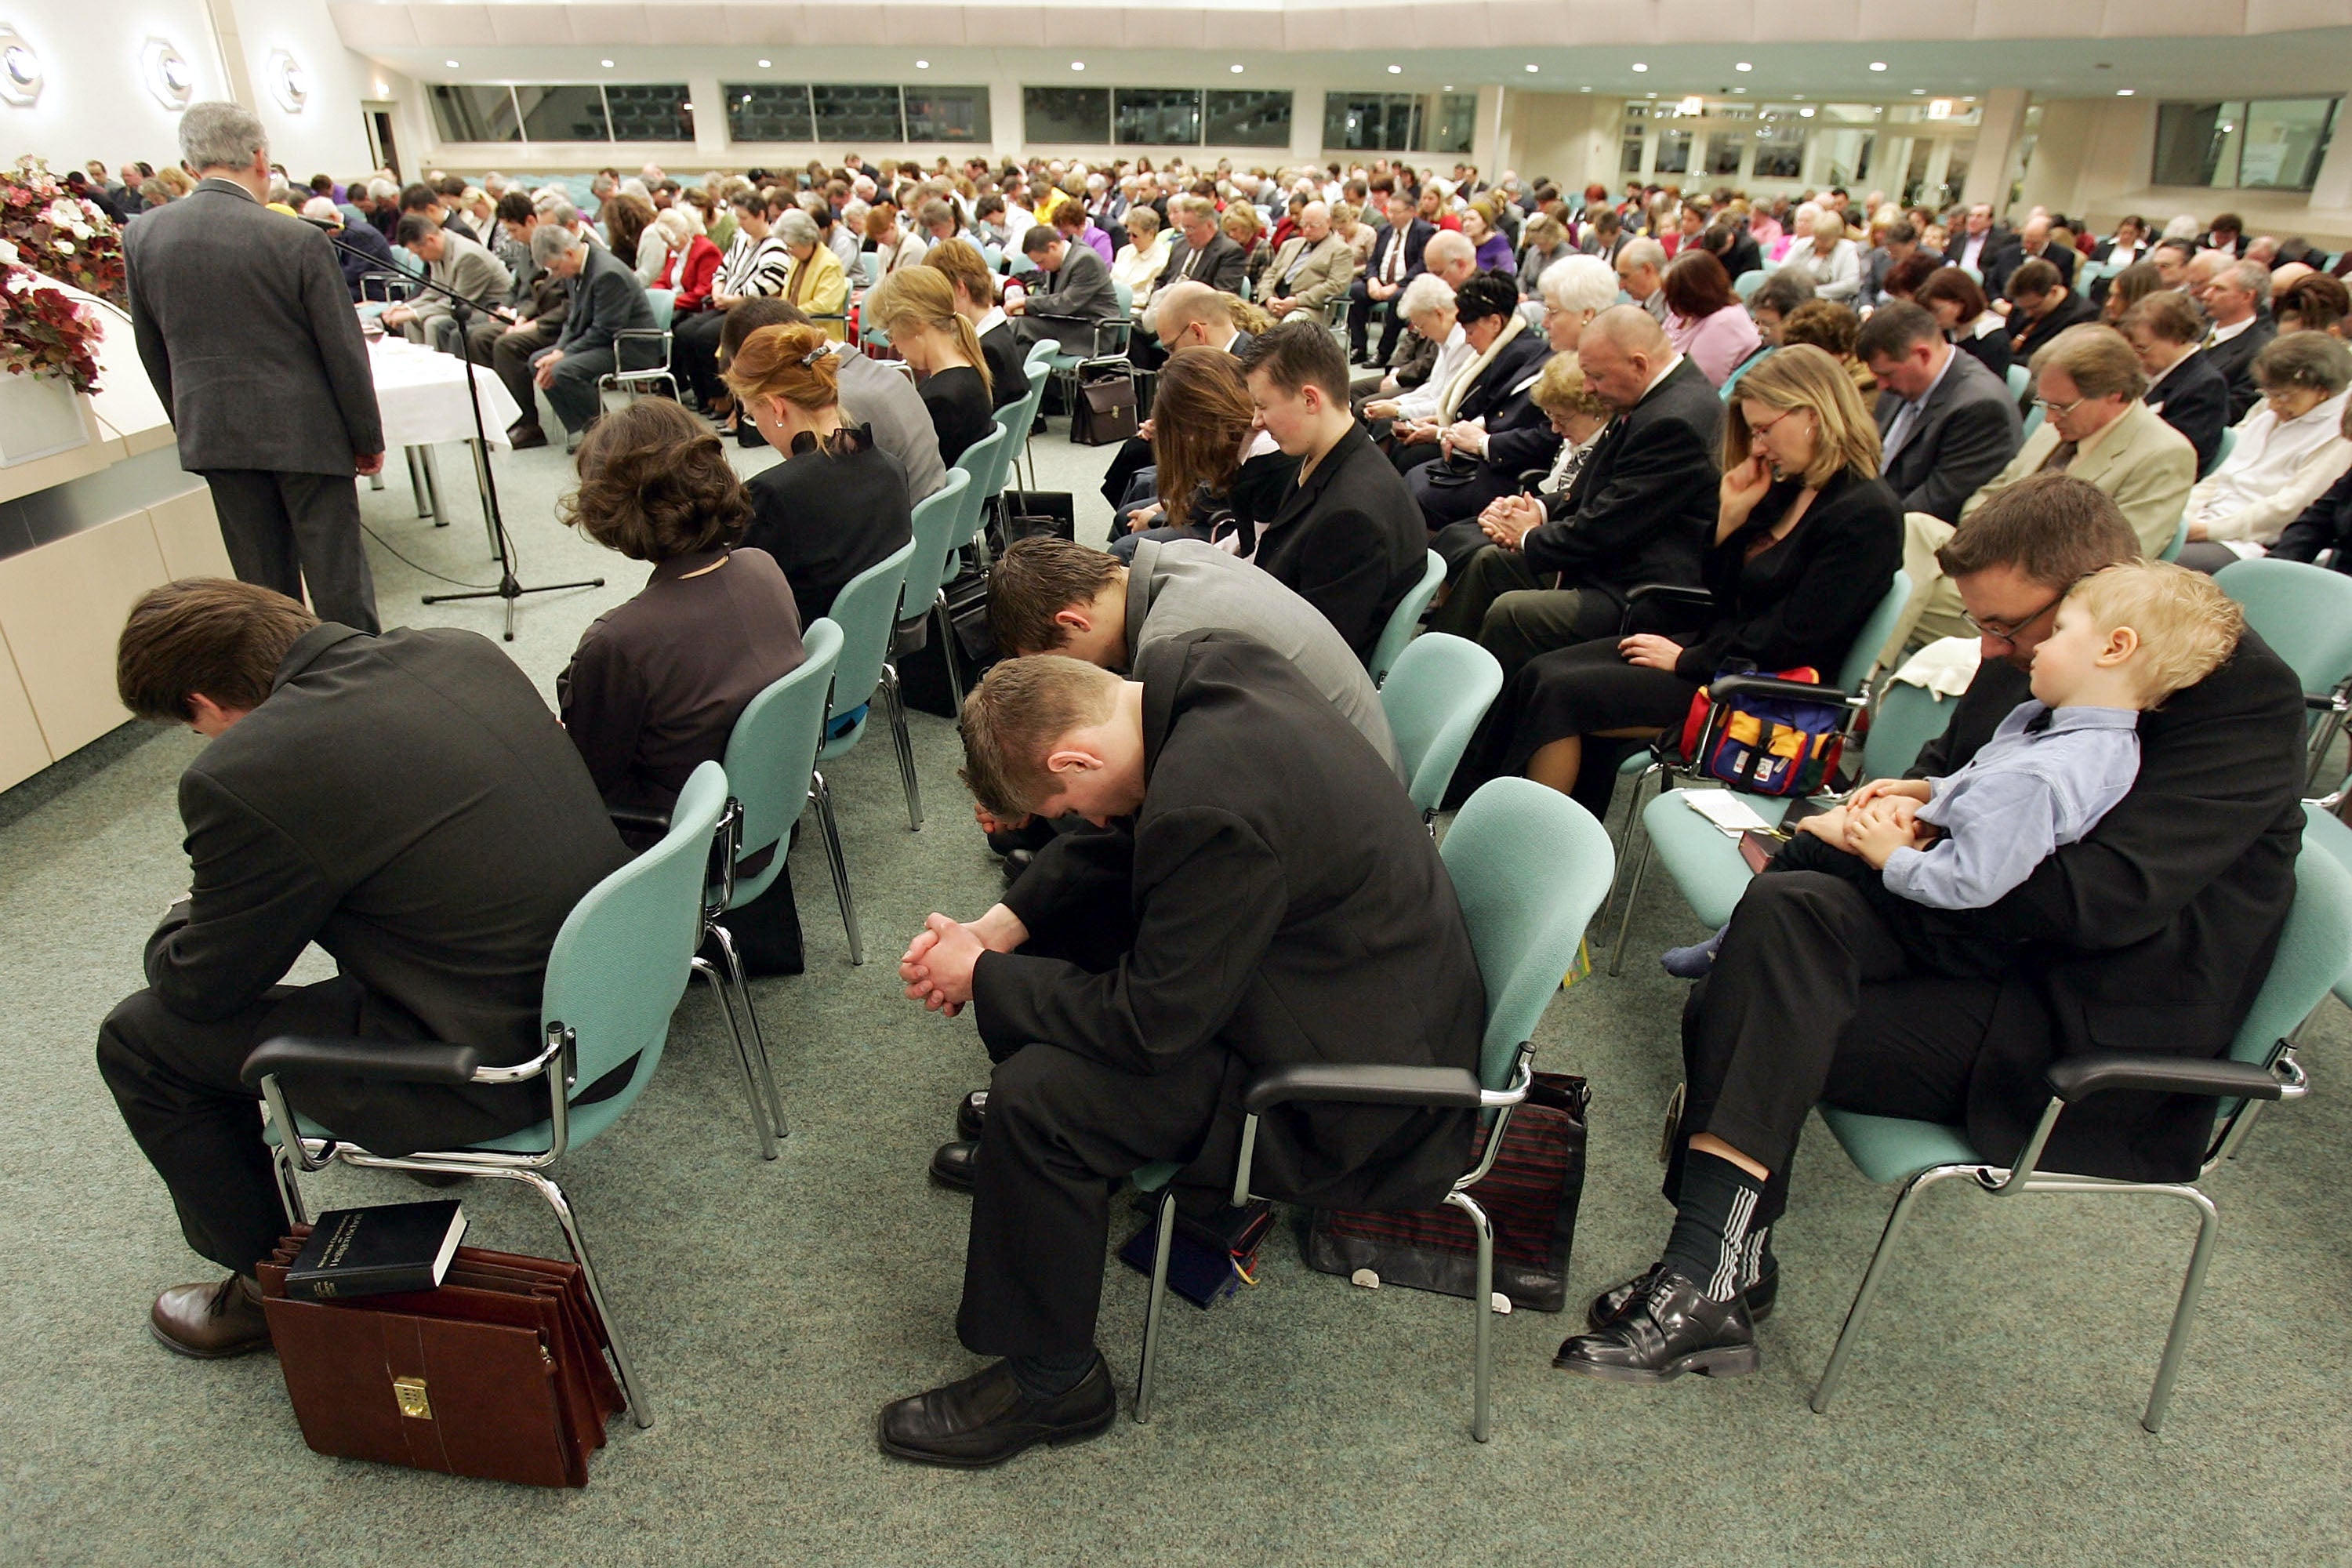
2059, 410
2009, 631
1769, 426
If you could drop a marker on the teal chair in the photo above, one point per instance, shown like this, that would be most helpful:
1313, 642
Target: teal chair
987, 460
770, 763
1748, 282
2322, 829
867, 609
934, 520
1704, 864
1038, 369
1902, 722
1975, 275
1111, 339
2260, 1066
665, 304
1405, 619
1731, 382
2304, 613
1437, 692
2020, 380
619, 965
2034, 415
2229, 445
2180, 541
1531, 866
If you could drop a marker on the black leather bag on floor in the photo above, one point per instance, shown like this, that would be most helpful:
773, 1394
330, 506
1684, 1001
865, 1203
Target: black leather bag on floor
922, 671
1531, 1197
1107, 403
1026, 514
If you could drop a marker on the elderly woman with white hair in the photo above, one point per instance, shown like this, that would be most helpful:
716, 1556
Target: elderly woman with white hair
1427, 306
1831, 260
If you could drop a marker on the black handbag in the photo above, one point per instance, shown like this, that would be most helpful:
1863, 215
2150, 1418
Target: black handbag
1105, 410
1030, 514
1530, 1198
923, 671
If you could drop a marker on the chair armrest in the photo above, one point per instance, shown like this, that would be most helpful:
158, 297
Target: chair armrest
2325, 701
1671, 594
2075, 1079
1346, 1083
638, 819
1731, 685
1530, 480
393, 1061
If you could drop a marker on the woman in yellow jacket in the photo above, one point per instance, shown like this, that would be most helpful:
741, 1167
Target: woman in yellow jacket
817, 284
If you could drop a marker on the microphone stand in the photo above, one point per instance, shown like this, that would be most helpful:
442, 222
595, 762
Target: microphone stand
508, 589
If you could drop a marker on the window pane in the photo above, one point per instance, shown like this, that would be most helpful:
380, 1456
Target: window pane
1457, 123
1080, 114
769, 111
946, 113
650, 113
1779, 153
2284, 140
1156, 116
2189, 140
1724, 151
474, 113
1630, 162
1373, 122
563, 114
1674, 152
860, 113
1248, 119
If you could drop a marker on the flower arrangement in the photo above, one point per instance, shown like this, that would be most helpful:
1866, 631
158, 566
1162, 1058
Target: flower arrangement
44, 330
54, 231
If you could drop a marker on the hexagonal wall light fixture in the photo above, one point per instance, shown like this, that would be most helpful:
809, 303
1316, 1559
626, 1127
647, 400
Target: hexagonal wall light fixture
167, 73
290, 84
21, 72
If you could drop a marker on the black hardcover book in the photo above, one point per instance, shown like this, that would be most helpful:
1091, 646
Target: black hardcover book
373, 1251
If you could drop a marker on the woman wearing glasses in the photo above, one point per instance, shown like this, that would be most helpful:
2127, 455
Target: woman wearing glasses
1806, 542
2290, 449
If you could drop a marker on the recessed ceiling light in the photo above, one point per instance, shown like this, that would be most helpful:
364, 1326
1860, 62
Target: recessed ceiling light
1640, 67
451, 64
606, 64
1798, 96
1584, 90
1806, 112
1448, 87
1077, 64
1396, 70
687, 107
1238, 70
1532, 69
1649, 95
1740, 89
1918, 92
1878, 65
763, 65
2122, 92
923, 65
1743, 65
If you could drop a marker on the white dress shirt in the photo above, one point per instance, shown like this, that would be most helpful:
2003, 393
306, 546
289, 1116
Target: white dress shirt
1452, 354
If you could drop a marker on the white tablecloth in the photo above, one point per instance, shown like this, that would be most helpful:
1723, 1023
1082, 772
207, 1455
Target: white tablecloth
421, 395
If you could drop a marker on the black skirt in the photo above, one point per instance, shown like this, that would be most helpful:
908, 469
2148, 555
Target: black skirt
1582, 689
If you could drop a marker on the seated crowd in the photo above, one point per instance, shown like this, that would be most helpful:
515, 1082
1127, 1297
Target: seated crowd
1650, 441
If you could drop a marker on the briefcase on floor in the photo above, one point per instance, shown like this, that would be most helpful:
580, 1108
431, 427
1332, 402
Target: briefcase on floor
500, 1373
1105, 410
922, 670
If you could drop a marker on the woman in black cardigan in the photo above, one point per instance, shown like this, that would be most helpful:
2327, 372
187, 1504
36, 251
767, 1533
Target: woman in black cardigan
1489, 418
1806, 544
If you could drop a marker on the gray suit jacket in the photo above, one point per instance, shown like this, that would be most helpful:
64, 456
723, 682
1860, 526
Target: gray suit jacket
606, 298
245, 324
1967, 432
886, 402
467, 267
1177, 586
1068, 305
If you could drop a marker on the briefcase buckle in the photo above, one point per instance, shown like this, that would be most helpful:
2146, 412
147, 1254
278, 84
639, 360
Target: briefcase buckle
410, 1392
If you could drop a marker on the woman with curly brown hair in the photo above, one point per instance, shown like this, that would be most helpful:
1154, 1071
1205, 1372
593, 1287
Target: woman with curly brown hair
656, 685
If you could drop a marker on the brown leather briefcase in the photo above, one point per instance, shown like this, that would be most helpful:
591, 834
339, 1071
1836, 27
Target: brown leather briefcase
500, 1373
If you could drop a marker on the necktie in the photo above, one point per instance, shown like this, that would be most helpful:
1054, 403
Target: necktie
1395, 258
2060, 455
1897, 433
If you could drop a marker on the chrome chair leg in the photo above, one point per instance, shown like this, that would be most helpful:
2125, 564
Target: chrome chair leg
1481, 1374
822, 794
1625, 920
894, 703
947, 647
736, 977
289, 1190
1155, 1307
1874, 1275
760, 1127
639, 1410
2192, 1285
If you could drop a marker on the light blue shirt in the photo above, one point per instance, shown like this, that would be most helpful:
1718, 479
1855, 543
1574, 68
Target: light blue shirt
2021, 797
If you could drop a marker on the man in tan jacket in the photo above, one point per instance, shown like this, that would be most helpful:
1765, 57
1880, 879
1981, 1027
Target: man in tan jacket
1313, 268
2088, 384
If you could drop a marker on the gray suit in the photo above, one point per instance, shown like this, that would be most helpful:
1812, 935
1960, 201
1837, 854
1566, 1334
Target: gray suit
1178, 586
606, 299
1066, 306
467, 267
245, 324
1967, 433
887, 403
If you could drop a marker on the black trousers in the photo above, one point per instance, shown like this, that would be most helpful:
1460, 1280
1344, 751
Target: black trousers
1812, 1001
175, 1081
284, 531
1360, 306
694, 354
1133, 458
509, 355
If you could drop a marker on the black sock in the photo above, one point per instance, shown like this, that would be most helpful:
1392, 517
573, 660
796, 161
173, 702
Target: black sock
1051, 1376
1709, 1246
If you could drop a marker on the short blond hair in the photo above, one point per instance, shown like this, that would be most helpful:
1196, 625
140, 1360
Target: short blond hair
1012, 718
2188, 627
1560, 389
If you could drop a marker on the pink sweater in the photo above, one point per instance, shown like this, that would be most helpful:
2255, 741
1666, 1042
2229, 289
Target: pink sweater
1715, 344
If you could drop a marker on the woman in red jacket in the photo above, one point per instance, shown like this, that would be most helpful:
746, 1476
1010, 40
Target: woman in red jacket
693, 263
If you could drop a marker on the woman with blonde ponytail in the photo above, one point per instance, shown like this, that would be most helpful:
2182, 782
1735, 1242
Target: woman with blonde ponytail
916, 309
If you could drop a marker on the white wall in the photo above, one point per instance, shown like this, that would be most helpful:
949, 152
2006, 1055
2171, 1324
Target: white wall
94, 101
2094, 157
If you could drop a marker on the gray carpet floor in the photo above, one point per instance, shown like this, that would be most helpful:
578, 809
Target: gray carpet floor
1991, 1417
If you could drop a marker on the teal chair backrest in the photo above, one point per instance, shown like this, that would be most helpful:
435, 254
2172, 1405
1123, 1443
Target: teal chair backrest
665, 304
2304, 611
2229, 445
624, 956
1863, 654
2019, 378
1748, 282
1042, 351
2180, 541
771, 750
867, 609
2314, 951
1437, 693
869, 263
1126, 300
1529, 866
2323, 830
1906, 719
935, 540
986, 461
1731, 382
1405, 617
1039, 371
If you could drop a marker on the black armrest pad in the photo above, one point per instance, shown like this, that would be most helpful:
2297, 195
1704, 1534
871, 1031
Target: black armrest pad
1731, 685
1531, 479
2075, 1079
1671, 594
396, 1061
638, 819
2319, 702
1350, 1084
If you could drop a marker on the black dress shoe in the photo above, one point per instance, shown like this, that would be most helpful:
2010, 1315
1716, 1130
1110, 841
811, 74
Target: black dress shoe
1016, 862
970, 1112
986, 1418
952, 1166
1606, 1305
1671, 1330
522, 439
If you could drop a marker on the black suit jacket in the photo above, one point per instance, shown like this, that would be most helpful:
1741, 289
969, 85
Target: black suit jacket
1519, 436
1349, 541
1804, 601
377, 257
1008, 381
1282, 914
1997, 258
2152, 933
2325, 524
1416, 240
2064, 258
2071, 311
2235, 360
408, 803
2194, 399
1222, 265
1644, 505
1743, 255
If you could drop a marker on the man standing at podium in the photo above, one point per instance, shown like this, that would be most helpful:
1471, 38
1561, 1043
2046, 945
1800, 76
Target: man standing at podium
246, 327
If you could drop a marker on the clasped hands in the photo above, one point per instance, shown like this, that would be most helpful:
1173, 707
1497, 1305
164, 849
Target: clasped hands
1507, 520
1876, 820
938, 964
